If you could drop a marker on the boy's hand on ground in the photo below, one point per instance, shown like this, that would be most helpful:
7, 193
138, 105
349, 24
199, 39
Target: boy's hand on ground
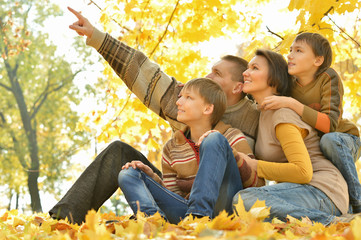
82, 26
141, 166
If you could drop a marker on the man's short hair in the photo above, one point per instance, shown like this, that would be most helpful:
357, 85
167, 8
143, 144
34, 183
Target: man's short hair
212, 93
321, 48
240, 66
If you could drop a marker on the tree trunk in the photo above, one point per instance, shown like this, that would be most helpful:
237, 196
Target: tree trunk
10, 197
30, 132
33, 173
17, 201
34, 191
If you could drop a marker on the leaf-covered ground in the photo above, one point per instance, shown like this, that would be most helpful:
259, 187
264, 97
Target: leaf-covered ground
242, 225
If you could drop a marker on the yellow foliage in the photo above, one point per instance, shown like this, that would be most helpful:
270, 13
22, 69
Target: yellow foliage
41, 226
356, 230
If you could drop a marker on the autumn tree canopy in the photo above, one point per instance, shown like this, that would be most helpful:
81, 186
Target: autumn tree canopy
37, 122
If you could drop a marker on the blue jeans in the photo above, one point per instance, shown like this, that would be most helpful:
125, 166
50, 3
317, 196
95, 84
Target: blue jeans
151, 196
342, 149
216, 182
296, 200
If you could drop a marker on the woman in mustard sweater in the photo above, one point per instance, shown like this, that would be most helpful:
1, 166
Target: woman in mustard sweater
288, 152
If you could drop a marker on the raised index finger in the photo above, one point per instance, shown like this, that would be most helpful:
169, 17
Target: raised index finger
77, 14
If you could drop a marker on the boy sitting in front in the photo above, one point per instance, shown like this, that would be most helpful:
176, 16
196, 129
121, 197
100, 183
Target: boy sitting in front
200, 170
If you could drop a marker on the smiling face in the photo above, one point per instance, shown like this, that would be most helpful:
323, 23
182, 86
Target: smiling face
256, 76
222, 74
302, 61
192, 108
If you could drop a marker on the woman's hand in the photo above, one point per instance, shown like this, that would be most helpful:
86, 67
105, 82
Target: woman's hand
252, 163
141, 166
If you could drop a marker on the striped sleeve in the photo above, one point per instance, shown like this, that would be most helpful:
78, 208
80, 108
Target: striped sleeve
169, 173
327, 118
239, 143
142, 76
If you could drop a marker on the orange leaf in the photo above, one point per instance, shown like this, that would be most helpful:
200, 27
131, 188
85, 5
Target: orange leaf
60, 226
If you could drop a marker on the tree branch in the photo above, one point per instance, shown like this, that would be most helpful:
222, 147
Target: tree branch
326, 14
3, 125
166, 29
43, 96
343, 31
71, 151
6, 87
2, 117
121, 110
269, 30
92, 2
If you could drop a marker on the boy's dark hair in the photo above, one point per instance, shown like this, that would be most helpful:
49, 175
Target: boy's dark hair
212, 93
238, 69
321, 48
278, 76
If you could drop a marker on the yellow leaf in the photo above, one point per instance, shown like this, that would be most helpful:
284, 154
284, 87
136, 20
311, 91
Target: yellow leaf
254, 228
295, 4
152, 145
355, 226
225, 222
147, 124
251, 49
92, 220
286, 43
104, 18
346, 7
18, 221
191, 222
259, 210
239, 207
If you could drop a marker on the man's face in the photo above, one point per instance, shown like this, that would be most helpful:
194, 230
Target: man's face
222, 74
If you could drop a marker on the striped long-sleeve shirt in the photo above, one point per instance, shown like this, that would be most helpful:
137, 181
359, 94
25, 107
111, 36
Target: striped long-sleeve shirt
180, 160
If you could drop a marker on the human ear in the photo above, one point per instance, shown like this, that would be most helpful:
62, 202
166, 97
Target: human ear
238, 88
319, 60
209, 109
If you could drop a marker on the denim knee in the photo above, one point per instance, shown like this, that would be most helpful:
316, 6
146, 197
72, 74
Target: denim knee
337, 143
329, 142
213, 139
126, 175
249, 197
